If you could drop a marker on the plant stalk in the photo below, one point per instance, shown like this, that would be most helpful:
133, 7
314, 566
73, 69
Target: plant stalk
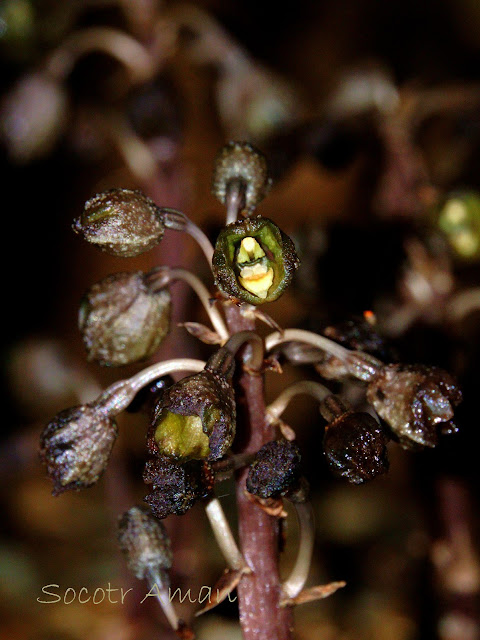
259, 593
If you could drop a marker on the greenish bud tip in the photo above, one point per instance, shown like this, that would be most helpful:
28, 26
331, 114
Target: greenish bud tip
122, 222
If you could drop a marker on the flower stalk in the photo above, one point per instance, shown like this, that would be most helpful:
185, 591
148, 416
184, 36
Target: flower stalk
306, 387
295, 582
162, 276
223, 535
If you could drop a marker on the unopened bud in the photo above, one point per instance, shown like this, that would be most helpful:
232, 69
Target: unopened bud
76, 446
32, 117
122, 320
239, 162
145, 543
122, 222
416, 401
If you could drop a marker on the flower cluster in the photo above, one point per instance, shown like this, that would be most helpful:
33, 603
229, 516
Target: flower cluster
124, 318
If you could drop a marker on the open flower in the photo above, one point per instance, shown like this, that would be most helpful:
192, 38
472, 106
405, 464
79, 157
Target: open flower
195, 418
122, 222
76, 446
122, 320
176, 487
254, 260
416, 401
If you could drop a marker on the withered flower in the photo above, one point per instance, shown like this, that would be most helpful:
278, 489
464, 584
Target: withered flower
144, 541
76, 446
122, 320
195, 418
276, 469
416, 401
240, 162
354, 443
122, 222
254, 260
176, 487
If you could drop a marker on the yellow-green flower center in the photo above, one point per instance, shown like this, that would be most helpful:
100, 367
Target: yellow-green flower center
180, 436
255, 274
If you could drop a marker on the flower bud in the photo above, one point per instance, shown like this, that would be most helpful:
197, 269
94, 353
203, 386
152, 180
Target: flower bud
254, 260
122, 320
458, 218
416, 401
32, 117
176, 487
239, 162
195, 419
145, 542
276, 470
76, 446
122, 222
354, 443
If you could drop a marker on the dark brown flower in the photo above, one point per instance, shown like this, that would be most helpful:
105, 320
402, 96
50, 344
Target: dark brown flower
416, 401
121, 222
122, 320
145, 542
76, 446
276, 469
176, 487
355, 447
195, 418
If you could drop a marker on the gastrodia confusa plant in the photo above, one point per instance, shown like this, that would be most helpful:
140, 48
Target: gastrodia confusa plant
195, 421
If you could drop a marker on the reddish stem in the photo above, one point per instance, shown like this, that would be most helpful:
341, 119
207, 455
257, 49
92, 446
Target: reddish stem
261, 616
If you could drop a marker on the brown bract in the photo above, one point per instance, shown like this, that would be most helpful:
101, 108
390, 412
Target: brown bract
206, 395
144, 541
76, 446
355, 447
122, 321
122, 222
416, 401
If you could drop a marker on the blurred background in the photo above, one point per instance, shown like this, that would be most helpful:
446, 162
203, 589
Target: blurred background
369, 115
